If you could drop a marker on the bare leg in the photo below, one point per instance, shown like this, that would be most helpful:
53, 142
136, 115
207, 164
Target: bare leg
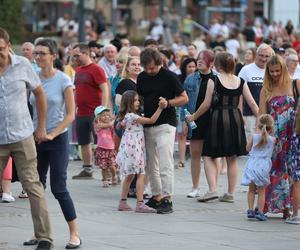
261, 198
140, 187
251, 195
211, 173
196, 151
296, 197
86, 152
232, 174
6, 186
182, 147
125, 186
74, 235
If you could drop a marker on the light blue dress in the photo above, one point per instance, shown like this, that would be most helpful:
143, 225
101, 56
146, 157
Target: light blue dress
259, 163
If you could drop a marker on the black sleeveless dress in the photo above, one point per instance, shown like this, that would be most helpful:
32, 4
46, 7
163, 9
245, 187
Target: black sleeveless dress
226, 134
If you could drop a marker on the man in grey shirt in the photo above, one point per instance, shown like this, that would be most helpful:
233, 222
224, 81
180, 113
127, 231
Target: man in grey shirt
16, 137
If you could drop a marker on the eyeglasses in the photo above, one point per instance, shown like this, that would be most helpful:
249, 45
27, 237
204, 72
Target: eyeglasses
76, 57
40, 53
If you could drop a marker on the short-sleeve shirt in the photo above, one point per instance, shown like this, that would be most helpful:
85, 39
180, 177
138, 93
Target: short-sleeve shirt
254, 76
87, 88
54, 88
16, 124
124, 85
164, 84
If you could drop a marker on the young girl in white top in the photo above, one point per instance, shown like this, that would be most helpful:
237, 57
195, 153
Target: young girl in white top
256, 174
105, 153
131, 157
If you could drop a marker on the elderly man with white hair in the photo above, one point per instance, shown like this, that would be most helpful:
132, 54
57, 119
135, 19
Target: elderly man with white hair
253, 74
108, 62
27, 51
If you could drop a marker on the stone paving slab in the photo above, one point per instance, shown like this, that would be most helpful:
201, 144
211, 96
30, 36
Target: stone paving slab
193, 225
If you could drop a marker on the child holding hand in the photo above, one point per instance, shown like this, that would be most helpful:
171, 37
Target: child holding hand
131, 157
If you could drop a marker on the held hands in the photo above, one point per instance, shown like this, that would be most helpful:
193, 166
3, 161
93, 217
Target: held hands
40, 135
163, 103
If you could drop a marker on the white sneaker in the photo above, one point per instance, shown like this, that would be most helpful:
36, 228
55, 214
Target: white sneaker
194, 193
7, 197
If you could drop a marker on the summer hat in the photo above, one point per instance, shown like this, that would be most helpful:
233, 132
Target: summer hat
100, 109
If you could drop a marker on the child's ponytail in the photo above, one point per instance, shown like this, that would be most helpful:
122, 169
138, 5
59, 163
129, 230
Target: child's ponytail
265, 125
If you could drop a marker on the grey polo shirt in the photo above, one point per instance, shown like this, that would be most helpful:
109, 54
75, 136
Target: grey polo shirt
16, 123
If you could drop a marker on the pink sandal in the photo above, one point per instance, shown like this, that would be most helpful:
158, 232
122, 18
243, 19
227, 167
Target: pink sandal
141, 207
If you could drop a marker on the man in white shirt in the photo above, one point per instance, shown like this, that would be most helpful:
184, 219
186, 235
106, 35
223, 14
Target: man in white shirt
253, 74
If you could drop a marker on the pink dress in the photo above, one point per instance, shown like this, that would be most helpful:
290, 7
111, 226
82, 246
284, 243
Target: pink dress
131, 157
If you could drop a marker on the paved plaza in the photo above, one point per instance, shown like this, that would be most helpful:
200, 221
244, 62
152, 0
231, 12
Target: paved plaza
192, 226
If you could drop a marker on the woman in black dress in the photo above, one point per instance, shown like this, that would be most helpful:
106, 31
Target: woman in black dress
225, 135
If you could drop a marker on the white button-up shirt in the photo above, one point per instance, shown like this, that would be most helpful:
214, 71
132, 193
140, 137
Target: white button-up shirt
15, 120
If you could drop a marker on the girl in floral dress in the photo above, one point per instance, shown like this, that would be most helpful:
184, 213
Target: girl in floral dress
277, 99
131, 157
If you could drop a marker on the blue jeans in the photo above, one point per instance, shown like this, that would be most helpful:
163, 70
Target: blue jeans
55, 154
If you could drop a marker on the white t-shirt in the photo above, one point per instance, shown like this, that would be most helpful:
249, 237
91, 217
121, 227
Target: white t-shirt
232, 46
254, 76
297, 73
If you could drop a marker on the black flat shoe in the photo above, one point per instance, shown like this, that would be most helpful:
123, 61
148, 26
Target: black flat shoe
44, 245
31, 242
73, 246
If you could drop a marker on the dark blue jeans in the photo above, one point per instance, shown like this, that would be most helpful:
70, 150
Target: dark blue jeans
56, 155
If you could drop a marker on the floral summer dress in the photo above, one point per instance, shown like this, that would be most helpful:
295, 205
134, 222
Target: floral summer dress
281, 108
131, 157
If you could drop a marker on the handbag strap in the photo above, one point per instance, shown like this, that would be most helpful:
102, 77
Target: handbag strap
295, 91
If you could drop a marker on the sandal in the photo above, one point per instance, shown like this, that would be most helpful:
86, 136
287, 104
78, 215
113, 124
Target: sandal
180, 165
23, 195
71, 245
105, 184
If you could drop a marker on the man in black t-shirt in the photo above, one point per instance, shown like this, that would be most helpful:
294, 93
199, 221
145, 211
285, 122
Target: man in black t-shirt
152, 83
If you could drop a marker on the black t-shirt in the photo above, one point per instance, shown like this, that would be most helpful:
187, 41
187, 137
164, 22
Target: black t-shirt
164, 84
124, 85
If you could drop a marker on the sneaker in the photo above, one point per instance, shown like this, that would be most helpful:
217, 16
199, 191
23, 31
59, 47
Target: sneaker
44, 245
208, 196
83, 175
194, 193
165, 207
23, 195
152, 203
260, 216
294, 220
141, 207
123, 206
227, 198
251, 214
7, 197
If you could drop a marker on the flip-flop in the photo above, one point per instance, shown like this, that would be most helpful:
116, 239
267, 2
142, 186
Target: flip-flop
73, 246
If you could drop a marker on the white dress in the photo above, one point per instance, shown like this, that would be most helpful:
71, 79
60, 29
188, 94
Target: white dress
131, 157
259, 163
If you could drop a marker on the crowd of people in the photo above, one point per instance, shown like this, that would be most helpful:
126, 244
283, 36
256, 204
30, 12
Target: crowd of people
133, 103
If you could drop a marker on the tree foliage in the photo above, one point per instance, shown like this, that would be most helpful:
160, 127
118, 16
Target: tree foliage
11, 18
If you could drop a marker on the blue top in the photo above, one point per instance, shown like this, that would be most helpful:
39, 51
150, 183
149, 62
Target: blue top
16, 124
54, 88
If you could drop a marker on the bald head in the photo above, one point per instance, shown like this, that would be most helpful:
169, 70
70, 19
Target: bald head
134, 51
27, 50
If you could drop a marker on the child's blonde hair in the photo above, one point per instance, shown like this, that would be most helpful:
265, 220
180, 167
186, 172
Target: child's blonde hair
265, 125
